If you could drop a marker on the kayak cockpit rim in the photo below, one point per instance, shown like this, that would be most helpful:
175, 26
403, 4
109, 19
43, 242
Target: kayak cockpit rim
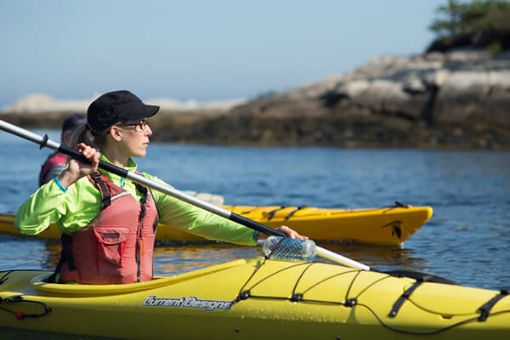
40, 285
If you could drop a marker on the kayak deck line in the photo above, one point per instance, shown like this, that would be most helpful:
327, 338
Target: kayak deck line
323, 296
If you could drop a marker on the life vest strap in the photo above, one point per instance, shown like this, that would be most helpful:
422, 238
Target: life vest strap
106, 199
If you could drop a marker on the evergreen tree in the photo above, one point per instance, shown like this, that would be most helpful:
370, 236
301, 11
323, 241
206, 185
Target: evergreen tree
477, 24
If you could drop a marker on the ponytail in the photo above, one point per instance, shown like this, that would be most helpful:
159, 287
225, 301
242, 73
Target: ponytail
83, 134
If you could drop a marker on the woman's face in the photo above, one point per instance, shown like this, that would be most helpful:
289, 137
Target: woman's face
134, 138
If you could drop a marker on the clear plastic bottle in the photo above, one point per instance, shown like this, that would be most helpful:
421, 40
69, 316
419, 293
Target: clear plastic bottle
276, 247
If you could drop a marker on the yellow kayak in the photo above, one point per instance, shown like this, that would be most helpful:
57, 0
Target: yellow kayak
384, 226
257, 299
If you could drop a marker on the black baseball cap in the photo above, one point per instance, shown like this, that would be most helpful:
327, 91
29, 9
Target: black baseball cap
115, 107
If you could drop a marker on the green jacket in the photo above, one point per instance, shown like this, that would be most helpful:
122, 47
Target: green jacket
76, 207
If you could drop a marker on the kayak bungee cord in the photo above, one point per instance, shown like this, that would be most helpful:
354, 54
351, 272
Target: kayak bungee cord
140, 179
16, 299
353, 302
5, 276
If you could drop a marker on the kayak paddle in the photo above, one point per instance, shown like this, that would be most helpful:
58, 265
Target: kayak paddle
46, 142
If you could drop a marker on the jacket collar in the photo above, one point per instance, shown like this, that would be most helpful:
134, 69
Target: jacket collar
131, 167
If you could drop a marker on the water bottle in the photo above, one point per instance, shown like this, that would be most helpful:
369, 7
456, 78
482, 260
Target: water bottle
276, 247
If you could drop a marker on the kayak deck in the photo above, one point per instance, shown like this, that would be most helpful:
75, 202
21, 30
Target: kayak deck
389, 226
250, 299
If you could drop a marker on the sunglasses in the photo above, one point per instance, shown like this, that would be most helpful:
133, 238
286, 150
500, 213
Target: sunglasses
138, 125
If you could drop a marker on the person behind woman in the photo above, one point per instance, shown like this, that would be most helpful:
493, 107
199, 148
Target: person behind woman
109, 223
57, 162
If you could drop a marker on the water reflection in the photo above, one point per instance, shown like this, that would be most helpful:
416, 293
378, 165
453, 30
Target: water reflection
382, 258
179, 259
175, 259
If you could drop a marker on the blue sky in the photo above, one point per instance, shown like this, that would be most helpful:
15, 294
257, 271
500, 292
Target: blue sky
201, 50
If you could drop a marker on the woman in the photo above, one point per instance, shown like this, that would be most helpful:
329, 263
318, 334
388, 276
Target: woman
109, 223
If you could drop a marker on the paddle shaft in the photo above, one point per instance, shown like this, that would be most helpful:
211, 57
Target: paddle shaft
46, 142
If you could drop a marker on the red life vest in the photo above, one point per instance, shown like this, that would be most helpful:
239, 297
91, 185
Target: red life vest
56, 159
117, 246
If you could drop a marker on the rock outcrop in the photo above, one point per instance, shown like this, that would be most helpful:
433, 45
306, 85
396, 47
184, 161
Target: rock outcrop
42, 104
458, 99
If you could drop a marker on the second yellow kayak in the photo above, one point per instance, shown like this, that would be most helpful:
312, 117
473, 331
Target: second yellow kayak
389, 226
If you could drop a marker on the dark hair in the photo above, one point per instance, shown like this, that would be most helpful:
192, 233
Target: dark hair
73, 122
83, 134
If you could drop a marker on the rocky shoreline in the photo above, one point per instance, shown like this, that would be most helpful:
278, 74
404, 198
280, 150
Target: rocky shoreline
453, 100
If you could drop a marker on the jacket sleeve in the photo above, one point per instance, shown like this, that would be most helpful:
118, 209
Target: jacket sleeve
177, 214
44, 207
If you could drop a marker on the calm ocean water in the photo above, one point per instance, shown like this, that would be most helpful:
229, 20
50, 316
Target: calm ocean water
467, 239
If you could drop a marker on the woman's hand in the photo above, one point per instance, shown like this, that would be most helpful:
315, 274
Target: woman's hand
287, 231
292, 233
77, 169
